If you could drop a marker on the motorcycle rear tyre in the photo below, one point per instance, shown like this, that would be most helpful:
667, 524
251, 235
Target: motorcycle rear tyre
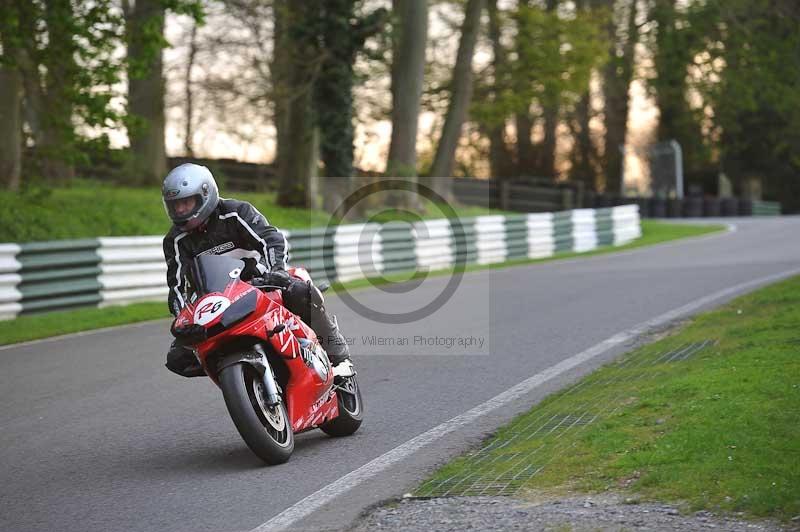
351, 412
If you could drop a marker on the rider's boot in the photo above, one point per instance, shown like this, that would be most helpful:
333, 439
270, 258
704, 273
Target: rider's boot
331, 339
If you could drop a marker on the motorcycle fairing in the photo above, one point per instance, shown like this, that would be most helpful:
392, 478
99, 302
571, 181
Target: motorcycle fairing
310, 399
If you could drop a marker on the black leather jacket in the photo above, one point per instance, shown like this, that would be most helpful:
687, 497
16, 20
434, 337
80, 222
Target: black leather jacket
235, 228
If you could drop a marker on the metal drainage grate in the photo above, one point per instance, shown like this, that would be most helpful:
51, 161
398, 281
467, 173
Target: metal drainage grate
684, 352
501, 468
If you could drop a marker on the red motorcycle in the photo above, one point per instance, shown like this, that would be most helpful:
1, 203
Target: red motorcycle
275, 377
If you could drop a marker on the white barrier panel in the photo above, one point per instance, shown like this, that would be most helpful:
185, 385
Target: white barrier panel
8, 258
10, 296
358, 251
540, 235
132, 269
490, 239
584, 230
627, 224
433, 244
9, 280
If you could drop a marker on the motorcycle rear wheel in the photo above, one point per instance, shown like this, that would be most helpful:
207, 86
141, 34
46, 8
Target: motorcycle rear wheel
265, 429
351, 410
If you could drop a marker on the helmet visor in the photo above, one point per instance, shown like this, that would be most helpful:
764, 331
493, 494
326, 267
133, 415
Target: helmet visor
183, 209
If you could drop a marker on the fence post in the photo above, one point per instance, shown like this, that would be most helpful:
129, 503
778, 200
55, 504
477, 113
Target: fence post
566, 199
505, 195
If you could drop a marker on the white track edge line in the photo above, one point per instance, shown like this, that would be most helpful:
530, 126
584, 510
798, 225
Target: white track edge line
319, 498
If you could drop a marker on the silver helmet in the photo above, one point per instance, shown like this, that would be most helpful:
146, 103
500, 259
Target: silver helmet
190, 195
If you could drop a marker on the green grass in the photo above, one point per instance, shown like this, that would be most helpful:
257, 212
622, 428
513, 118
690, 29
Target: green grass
430, 210
37, 326
92, 208
717, 431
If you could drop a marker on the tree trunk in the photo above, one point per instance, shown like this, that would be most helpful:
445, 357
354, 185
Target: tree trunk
10, 127
187, 135
500, 158
547, 153
547, 161
57, 144
583, 153
299, 155
526, 157
460, 98
617, 76
146, 93
333, 99
674, 52
279, 70
408, 68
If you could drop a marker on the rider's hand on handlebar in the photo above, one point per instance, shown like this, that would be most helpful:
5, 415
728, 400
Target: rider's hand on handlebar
278, 277
250, 270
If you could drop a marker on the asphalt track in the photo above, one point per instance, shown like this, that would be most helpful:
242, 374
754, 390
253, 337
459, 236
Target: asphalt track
95, 435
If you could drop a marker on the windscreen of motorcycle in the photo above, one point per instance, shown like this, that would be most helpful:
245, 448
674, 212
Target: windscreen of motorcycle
213, 273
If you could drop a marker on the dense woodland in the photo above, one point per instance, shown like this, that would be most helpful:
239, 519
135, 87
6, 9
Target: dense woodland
517, 87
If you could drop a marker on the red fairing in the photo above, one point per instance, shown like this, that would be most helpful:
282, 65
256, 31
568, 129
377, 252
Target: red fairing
310, 398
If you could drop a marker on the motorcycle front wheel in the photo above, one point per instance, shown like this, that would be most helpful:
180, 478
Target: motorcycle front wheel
265, 429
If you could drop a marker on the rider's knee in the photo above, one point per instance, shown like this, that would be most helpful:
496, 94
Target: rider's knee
303, 298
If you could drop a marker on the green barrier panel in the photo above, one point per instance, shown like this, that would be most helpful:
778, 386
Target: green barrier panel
766, 208
604, 226
562, 231
312, 249
397, 244
516, 237
465, 249
61, 303
59, 275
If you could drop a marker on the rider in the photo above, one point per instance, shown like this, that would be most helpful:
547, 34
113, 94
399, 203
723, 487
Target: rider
204, 223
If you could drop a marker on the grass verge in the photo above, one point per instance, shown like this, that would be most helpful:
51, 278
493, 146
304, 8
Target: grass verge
706, 417
38, 326
88, 209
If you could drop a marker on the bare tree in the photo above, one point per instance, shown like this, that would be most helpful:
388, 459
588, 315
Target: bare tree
461, 95
408, 67
188, 132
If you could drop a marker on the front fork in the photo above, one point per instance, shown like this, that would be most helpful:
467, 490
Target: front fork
258, 360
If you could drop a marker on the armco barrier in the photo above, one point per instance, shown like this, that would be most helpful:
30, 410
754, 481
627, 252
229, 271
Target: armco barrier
766, 208
132, 269
44, 276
